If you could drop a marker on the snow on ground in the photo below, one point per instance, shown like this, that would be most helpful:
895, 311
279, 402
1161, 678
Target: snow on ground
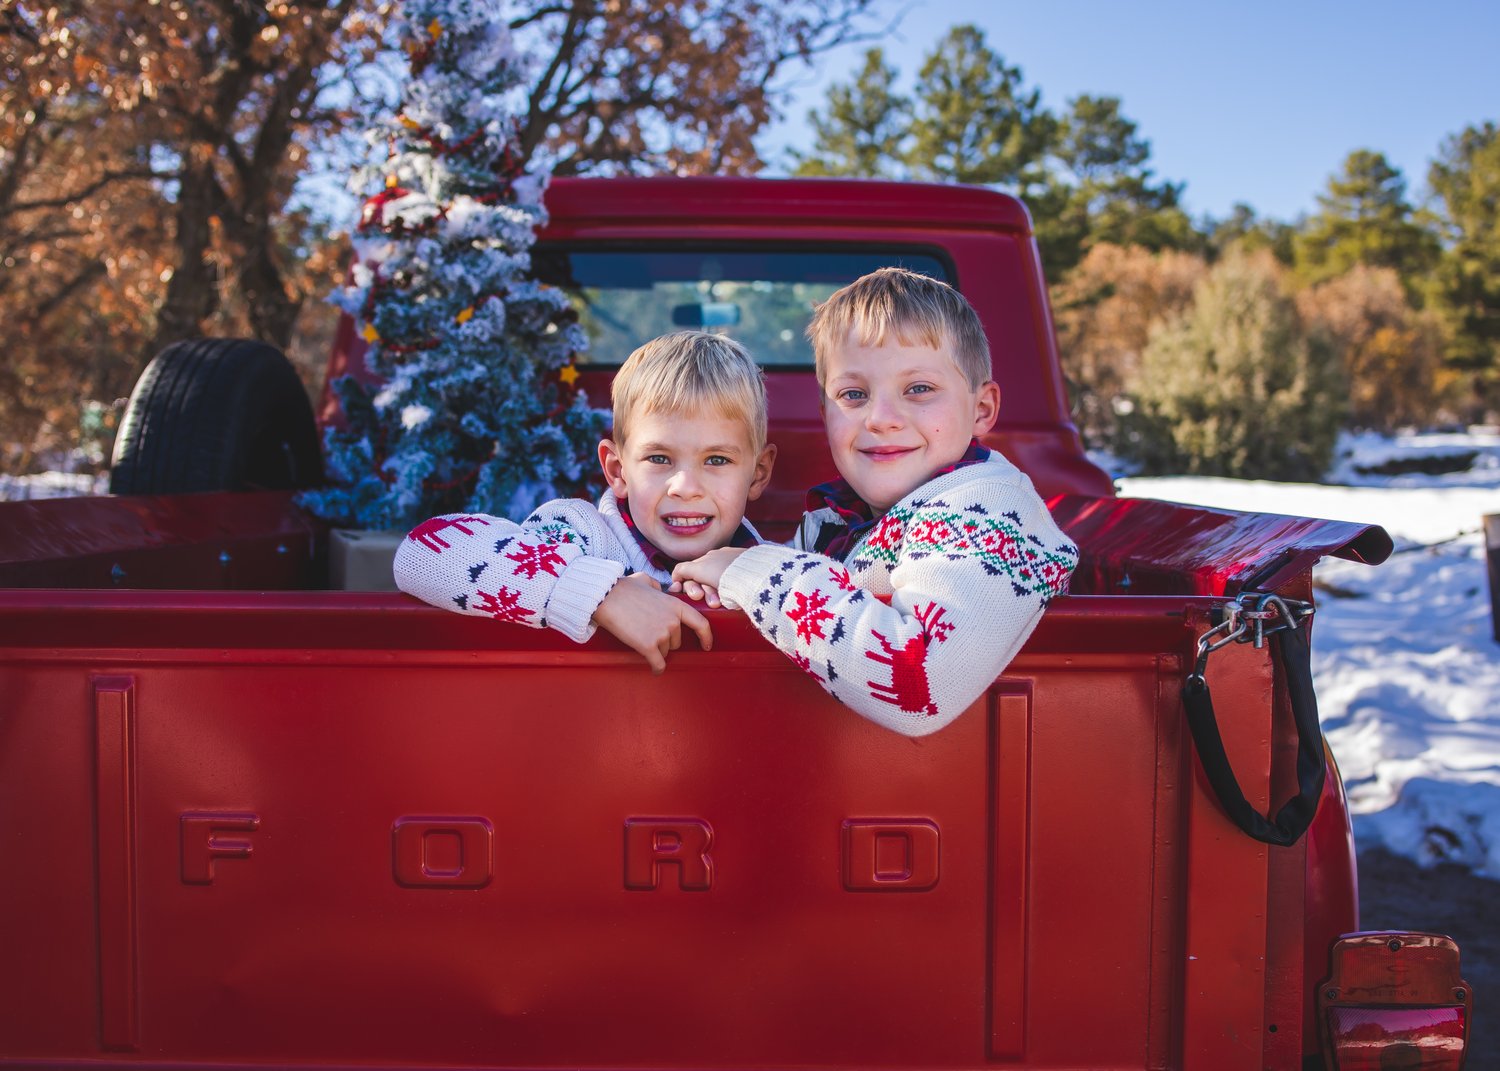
1406, 666
1404, 657
51, 485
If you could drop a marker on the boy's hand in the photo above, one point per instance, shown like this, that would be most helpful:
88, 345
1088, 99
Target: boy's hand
637, 614
699, 593
699, 579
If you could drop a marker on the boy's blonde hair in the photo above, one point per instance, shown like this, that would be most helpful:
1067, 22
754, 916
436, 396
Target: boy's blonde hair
917, 309
691, 370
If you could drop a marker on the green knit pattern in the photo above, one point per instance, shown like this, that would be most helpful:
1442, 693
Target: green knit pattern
999, 544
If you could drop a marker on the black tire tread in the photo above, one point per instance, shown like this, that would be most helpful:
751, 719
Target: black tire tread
216, 415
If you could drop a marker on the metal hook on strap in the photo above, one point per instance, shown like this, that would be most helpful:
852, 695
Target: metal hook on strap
1252, 617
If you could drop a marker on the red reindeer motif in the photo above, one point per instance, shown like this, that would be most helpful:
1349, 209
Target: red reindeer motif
908, 688
426, 533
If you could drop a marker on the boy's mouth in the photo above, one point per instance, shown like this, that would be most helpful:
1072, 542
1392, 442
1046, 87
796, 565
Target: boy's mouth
887, 453
686, 523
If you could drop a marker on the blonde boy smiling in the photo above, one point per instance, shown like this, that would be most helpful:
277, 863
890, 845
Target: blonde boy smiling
689, 451
950, 532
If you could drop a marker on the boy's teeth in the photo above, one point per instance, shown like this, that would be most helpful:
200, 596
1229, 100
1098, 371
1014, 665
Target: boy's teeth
685, 522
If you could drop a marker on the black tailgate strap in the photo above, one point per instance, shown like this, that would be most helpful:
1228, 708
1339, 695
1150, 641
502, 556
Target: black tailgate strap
1294, 653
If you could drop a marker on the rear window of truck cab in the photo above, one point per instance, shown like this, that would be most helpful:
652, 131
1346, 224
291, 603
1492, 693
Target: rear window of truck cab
761, 298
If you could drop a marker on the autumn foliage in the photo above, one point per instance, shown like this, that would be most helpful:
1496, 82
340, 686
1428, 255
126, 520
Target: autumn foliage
155, 158
1392, 353
148, 153
1105, 310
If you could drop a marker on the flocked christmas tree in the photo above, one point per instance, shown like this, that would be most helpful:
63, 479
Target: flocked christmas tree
476, 409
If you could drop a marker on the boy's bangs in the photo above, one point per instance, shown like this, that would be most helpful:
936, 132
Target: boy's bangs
907, 331
726, 406
689, 374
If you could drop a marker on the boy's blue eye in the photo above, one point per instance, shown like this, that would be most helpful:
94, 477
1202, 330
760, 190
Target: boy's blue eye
719, 459
920, 388
657, 459
853, 394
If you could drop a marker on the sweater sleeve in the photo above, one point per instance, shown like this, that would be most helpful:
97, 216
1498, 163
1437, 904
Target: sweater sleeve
968, 583
551, 571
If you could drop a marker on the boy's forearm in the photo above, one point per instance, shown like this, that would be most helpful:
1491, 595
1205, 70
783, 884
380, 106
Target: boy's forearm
911, 666
486, 566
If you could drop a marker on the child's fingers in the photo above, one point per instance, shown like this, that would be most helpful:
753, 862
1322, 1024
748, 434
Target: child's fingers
699, 624
654, 657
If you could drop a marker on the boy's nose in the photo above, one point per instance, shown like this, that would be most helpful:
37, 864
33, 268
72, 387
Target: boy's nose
882, 413
684, 484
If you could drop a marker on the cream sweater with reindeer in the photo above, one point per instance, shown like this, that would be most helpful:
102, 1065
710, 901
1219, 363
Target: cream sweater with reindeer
968, 561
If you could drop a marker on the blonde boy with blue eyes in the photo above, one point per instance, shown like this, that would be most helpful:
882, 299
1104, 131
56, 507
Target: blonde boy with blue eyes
689, 451
915, 578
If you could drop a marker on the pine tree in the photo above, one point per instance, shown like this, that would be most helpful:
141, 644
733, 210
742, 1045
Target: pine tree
1465, 181
1364, 218
974, 121
864, 129
475, 410
1100, 189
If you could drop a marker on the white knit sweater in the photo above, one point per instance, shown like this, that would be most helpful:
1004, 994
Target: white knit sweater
550, 571
968, 560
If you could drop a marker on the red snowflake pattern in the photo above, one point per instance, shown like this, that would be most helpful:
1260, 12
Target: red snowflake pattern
840, 577
810, 614
533, 559
503, 605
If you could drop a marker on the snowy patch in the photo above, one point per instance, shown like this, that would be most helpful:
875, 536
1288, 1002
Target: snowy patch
1404, 658
52, 485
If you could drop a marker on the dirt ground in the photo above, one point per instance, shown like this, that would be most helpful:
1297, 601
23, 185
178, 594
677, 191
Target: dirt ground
1396, 894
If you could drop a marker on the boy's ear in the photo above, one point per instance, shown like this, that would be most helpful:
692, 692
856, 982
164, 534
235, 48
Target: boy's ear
763, 465
613, 465
986, 406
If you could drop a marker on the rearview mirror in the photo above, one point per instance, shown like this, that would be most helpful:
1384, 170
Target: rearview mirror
706, 314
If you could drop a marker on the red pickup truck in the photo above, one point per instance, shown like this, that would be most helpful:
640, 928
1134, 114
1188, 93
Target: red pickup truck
251, 821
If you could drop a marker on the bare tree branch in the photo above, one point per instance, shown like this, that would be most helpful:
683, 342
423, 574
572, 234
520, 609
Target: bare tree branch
85, 192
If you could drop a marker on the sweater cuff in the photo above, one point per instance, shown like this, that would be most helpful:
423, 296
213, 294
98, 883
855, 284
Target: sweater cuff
578, 593
742, 581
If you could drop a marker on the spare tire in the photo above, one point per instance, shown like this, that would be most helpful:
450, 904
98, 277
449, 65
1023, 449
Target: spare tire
216, 414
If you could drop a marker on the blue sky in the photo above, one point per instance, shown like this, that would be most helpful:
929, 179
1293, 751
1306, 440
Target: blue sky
1256, 102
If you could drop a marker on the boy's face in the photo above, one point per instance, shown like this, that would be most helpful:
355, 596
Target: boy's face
687, 477
896, 414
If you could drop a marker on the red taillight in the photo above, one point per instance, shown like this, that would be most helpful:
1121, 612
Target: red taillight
1396, 1039
1394, 1001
